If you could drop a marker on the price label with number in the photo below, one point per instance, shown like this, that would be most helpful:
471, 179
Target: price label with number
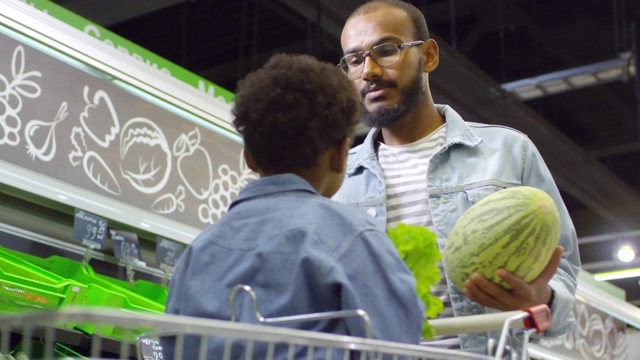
150, 349
125, 245
91, 229
167, 253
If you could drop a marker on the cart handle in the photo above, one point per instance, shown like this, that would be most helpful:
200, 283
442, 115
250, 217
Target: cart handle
366, 323
539, 318
536, 318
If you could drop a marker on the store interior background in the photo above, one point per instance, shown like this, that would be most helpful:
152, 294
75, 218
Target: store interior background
562, 72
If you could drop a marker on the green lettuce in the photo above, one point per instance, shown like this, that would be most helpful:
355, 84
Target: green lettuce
417, 247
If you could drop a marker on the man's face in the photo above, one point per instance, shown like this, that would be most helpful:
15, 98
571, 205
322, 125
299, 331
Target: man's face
388, 93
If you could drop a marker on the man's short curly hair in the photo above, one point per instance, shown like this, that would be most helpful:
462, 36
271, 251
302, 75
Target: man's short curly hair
419, 22
293, 109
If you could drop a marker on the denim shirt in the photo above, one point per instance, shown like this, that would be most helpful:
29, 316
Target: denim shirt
301, 253
476, 160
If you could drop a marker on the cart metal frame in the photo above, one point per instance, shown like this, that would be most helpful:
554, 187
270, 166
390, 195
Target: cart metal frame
48, 327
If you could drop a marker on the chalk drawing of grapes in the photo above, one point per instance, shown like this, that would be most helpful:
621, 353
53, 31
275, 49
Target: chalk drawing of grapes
11, 94
224, 189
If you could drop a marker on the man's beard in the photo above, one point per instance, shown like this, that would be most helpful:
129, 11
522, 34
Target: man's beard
387, 115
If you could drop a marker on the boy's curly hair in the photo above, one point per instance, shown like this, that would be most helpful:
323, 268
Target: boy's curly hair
293, 109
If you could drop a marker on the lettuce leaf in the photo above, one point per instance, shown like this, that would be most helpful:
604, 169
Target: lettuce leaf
418, 248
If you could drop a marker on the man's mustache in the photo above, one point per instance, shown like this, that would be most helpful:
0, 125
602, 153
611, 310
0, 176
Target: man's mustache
378, 84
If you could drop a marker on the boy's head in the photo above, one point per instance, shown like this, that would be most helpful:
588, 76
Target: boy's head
292, 111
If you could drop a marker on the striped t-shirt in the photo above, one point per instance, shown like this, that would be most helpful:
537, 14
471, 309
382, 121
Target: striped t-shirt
405, 174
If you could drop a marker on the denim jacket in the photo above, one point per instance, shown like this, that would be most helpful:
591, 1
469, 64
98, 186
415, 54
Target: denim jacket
302, 254
476, 160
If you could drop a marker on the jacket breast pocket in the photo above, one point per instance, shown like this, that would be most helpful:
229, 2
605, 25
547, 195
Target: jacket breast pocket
478, 193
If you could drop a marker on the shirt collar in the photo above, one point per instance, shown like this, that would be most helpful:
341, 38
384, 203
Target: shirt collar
458, 132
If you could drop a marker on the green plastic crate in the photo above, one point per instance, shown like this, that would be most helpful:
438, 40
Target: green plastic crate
63, 352
60, 352
140, 295
84, 274
26, 287
34, 294
30, 283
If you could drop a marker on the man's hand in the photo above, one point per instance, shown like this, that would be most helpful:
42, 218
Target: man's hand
521, 294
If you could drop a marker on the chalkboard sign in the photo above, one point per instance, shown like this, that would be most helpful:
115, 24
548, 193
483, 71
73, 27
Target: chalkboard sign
167, 253
150, 349
85, 132
90, 229
125, 245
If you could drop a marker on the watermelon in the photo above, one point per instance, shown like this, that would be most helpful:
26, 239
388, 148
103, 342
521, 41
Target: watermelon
515, 229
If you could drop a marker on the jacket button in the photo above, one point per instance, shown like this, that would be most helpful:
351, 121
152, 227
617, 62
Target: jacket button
372, 212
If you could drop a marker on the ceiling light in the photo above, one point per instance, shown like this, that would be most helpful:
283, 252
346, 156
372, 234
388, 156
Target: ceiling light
620, 274
626, 253
616, 69
555, 86
529, 92
610, 74
582, 80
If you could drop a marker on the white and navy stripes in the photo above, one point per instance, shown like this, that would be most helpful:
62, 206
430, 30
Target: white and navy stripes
405, 173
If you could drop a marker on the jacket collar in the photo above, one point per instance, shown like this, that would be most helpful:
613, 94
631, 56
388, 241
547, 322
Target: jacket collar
270, 185
458, 132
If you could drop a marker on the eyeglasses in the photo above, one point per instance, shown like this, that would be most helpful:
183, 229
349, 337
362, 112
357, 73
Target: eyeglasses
385, 54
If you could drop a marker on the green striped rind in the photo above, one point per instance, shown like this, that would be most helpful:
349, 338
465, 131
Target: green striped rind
516, 229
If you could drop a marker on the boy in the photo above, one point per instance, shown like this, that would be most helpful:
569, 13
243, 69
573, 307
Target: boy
298, 250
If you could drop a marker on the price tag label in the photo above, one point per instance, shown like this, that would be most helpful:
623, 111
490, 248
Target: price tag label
150, 349
125, 245
90, 229
167, 253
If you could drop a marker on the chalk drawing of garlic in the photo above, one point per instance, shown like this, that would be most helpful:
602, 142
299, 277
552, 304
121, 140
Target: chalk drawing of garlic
47, 149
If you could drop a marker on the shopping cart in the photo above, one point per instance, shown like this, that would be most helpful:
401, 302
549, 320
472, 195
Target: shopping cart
43, 335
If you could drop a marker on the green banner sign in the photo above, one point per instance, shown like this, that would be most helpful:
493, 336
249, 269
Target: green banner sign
136, 52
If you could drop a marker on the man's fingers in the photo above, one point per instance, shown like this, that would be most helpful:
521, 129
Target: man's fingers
484, 292
514, 282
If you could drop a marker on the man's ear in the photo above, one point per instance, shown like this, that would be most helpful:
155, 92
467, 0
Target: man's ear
249, 160
338, 160
431, 55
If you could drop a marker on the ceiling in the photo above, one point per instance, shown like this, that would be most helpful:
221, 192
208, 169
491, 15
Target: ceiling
577, 54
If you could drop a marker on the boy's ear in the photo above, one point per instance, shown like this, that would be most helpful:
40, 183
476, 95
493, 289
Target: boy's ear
249, 160
338, 161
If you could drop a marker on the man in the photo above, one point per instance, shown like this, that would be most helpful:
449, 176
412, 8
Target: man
299, 251
421, 163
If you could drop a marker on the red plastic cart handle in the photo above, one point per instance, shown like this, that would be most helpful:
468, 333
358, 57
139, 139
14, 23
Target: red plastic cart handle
539, 318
